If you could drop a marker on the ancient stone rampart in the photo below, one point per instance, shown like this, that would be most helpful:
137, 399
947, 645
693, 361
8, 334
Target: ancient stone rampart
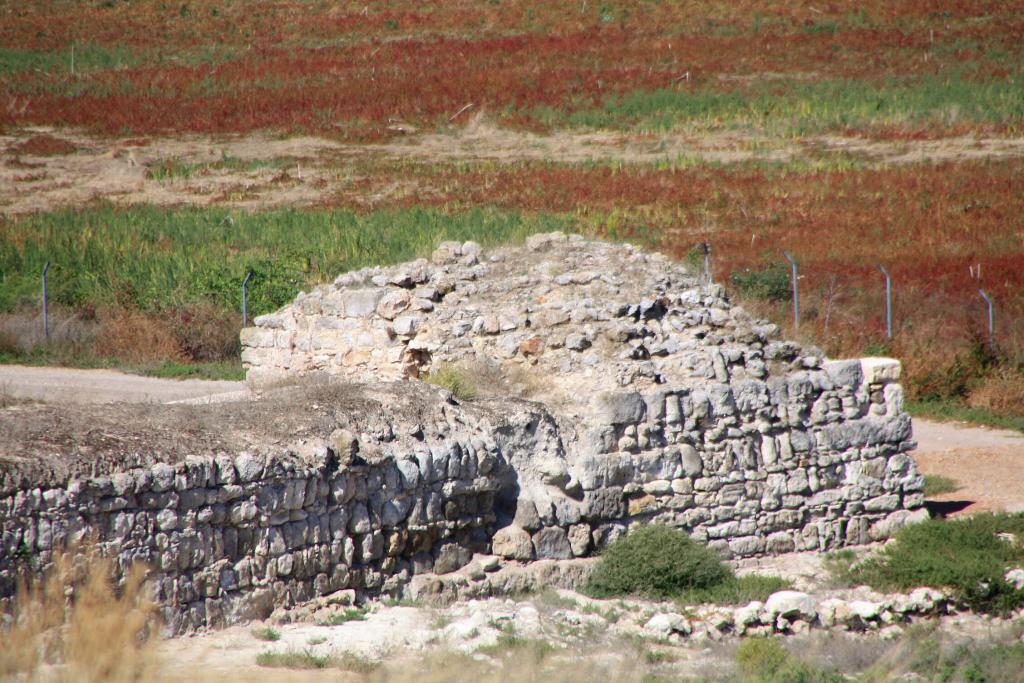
651, 399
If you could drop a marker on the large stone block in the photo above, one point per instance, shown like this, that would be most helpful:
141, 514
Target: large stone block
513, 543
880, 370
552, 543
619, 407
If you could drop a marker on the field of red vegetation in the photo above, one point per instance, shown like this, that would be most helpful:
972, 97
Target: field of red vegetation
351, 70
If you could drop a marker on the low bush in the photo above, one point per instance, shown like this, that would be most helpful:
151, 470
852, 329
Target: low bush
969, 555
657, 562
206, 333
135, 337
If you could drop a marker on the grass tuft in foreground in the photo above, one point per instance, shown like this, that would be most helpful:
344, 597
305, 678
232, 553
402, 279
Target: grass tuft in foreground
78, 616
293, 659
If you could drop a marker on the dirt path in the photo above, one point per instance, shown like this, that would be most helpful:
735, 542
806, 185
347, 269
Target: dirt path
258, 171
988, 465
105, 386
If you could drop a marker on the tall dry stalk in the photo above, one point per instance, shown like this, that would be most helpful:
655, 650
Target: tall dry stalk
77, 624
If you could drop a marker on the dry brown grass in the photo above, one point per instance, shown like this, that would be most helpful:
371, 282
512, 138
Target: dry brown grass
1001, 393
135, 337
206, 333
78, 624
44, 145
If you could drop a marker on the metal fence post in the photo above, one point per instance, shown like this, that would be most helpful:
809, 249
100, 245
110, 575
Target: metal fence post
796, 292
46, 307
705, 248
991, 320
888, 301
245, 299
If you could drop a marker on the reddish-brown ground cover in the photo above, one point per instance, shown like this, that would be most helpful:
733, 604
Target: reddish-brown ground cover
349, 70
930, 225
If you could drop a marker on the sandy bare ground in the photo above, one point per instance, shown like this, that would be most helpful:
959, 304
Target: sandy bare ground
257, 171
105, 386
988, 465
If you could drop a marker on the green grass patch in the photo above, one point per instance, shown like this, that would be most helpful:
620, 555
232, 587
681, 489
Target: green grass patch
266, 633
958, 411
351, 614
86, 58
839, 566
800, 108
969, 555
509, 643
935, 485
293, 659
152, 258
765, 660
973, 662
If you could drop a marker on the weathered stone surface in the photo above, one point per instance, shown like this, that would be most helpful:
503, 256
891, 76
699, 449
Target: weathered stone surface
790, 605
552, 543
513, 543
665, 624
619, 407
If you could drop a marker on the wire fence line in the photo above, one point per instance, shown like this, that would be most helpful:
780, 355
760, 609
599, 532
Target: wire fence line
703, 248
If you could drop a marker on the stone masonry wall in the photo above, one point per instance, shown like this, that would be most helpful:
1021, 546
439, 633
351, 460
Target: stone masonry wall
229, 538
659, 402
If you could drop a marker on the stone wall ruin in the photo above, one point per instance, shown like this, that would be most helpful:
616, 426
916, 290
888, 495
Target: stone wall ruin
614, 388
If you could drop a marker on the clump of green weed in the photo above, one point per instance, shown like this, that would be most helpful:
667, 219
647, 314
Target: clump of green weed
455, 380
266, 633
293, 659
969, 555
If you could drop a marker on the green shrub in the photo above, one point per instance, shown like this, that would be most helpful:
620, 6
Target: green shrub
455, 380
656, 562
966, 555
